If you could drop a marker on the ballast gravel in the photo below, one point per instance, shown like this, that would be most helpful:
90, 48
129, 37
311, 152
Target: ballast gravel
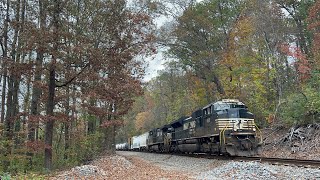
257, 170
212, 169
119, 167
139, 165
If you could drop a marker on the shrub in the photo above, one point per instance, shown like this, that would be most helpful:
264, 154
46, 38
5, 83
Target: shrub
301, 108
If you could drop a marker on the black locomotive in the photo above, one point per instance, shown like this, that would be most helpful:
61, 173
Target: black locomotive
224, 127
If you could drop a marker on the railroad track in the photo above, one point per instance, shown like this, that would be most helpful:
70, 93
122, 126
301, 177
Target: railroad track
273, 161
283, 161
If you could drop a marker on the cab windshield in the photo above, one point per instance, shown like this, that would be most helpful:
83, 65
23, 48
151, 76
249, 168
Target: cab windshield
235, 113
223, 106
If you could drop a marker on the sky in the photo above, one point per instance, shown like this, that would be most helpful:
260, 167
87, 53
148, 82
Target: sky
156, 62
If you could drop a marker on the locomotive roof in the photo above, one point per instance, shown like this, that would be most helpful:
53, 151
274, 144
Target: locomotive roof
178, 122
187, 119
225, 101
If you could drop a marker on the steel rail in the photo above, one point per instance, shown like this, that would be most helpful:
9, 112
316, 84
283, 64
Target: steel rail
282, 161
273, 161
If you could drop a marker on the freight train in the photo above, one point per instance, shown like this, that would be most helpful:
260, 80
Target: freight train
224, 127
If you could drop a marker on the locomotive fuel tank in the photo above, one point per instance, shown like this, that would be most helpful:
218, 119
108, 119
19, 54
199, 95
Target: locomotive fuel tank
189, 147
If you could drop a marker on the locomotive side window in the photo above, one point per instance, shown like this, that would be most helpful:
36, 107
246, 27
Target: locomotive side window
186, 126
209, 114
207, 111
189, 125
199, 119
159, 132
192, 124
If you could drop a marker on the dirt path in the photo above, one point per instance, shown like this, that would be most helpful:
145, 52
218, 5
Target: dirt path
120, 167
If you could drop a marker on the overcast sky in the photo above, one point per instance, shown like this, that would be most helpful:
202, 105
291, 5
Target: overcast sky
156, 62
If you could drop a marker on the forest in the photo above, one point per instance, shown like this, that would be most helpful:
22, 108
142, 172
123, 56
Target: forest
72, 70
264, 53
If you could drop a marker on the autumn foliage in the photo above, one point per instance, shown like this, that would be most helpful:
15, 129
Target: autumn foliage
265, 53
70, 71
300, 61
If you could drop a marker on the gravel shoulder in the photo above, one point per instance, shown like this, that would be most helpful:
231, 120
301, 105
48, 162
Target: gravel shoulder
120, 167
183, 164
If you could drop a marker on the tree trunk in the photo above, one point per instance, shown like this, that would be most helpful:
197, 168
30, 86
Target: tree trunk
36, 93
8, 127
109, 132
108, 139
73, 114
67, 125
15, 55
27, 97
13, 86
217, 81
26, 107
302, 40
50, 122
51, 88
92, 119
4, 63
12, 97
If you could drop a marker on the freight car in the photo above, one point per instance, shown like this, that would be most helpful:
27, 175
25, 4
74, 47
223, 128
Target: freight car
224, 127
122, 146
139, 143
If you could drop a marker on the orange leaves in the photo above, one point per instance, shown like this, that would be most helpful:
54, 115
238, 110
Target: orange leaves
36, 146
314, 25
36, 118
237, 60
141, 119
198, 90
302, 64
239, 42
314, 14
242, 31
60, 117
97, 111
106, 124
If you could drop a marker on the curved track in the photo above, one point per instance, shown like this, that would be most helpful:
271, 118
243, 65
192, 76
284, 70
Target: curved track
283, 161
274, 161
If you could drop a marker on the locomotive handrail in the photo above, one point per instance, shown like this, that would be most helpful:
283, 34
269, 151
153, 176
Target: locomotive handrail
259, 132
222, 134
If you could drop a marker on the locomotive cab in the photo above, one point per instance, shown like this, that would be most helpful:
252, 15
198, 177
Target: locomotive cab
239, 135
